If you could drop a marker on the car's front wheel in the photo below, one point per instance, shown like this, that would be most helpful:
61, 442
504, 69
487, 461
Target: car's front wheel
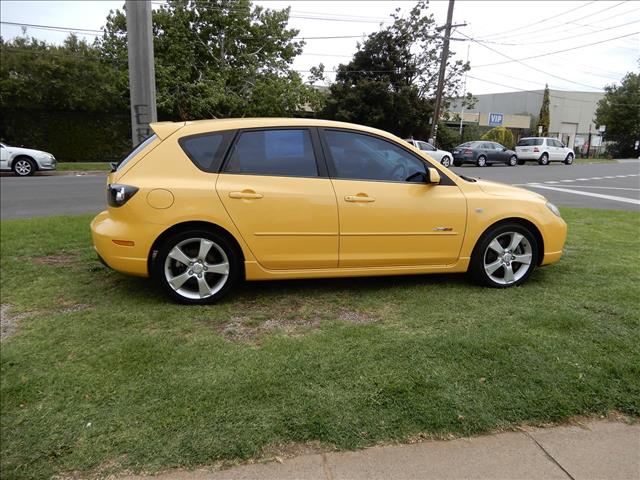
513, 161
23, 167
569, 159
505, 256
446, 161
197, 266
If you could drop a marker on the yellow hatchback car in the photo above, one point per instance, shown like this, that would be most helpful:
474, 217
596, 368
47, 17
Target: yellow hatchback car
200, 205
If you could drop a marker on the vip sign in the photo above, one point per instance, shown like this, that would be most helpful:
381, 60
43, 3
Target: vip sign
495, 119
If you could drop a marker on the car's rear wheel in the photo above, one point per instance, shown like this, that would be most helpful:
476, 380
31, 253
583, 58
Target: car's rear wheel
513, 161
544, 159
505, 256
481, 161
197, 267
446, 161
569, 159
23, 167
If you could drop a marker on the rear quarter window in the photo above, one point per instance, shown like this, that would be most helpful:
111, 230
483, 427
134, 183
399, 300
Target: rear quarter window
206, 150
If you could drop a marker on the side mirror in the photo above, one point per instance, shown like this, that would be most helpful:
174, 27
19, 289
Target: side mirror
433, 176
504, 149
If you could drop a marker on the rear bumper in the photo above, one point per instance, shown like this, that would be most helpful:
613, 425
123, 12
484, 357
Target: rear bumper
130, 258
528, 155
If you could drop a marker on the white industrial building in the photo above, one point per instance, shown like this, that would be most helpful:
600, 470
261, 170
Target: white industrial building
572, 114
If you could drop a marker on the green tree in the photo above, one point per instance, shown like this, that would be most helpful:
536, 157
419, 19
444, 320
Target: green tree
543, 117
502, 135
619, 110
391, 80
219, 59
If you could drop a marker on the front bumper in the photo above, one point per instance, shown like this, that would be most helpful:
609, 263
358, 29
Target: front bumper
47, 164
122, 247
554, 236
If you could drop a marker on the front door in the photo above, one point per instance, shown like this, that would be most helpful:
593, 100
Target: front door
284, 210
388, 215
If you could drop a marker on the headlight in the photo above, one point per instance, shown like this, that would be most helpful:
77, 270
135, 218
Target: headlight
554, 209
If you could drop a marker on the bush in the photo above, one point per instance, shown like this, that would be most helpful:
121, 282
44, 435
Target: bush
501, 135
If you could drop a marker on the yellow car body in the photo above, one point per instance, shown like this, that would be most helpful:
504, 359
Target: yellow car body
288, 227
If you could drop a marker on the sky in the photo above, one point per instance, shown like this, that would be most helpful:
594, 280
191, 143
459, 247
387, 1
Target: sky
585, 32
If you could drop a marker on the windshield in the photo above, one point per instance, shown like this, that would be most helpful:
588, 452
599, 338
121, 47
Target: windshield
134, 152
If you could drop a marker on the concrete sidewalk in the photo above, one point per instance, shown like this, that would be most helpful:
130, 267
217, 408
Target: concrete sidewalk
594, 449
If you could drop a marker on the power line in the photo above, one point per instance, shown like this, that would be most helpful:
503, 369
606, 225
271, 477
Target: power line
570, 37
525, 31
538, 22
544, 54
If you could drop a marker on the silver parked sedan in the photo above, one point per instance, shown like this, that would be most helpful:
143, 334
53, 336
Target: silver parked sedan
441, 156
25, 161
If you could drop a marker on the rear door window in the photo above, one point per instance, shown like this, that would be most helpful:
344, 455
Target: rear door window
284, 152
529, 142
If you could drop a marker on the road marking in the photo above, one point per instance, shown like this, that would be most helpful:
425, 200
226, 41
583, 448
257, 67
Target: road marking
604, 188
587, 194
567, 181
551, 181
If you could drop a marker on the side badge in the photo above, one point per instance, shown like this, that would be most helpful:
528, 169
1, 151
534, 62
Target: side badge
479, 210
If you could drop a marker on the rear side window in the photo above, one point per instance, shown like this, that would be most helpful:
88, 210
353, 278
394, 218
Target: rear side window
529, 142
134, 152
286, 153
206, 151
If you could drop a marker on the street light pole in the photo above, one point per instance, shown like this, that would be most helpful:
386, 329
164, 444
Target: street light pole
142, 73
443, 65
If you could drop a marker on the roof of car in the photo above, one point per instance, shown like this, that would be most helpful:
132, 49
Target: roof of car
164, 129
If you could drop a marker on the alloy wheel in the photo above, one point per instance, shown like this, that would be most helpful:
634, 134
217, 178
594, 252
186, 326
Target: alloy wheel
482, 161
23, 167
508, 258
446, 161
196, 268
513, 161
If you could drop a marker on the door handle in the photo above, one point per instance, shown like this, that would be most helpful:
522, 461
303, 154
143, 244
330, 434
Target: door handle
359, 198
245, 194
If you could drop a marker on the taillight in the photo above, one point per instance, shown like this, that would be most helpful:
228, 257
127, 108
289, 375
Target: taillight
536, 149
118, 194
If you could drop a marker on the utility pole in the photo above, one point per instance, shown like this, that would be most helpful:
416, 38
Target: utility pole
443, 65
142, 72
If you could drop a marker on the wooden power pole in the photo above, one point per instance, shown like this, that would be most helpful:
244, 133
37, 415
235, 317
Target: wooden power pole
441, 75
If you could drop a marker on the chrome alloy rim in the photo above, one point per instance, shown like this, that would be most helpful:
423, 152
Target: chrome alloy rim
482, 161
508, 258
23, 167
196, 268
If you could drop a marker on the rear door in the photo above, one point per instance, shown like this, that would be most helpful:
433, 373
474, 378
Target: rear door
279, 197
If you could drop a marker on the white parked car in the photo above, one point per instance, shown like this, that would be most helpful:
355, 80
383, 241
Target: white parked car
441, 156
25, 161
543, 150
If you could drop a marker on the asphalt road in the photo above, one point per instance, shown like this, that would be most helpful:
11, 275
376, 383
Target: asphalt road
608, 186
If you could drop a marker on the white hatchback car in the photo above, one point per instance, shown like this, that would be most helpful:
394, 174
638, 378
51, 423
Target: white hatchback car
25, 161
441, 156
543, 150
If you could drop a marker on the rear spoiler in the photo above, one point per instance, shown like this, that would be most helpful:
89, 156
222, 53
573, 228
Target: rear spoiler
164, 129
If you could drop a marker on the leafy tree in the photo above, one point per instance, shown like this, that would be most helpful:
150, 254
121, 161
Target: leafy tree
619, 110
502, 135
219, 59
543, 117
391, 81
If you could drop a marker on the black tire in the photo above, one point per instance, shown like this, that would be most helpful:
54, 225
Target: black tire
456, 163
569, 159
481, 255
544, 159
190, 242
521, 162
481, 161
24, 167
513, 161
445, 161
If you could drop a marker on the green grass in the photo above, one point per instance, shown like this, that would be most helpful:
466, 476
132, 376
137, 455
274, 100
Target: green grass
83, 166
103, 374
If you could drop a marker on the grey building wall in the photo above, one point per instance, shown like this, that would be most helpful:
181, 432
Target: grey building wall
571, 113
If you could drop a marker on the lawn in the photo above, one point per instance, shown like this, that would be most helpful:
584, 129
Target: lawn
83, 166
102, 374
